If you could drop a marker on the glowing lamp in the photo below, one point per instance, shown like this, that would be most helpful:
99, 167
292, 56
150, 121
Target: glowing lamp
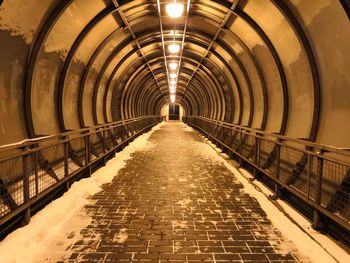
173, 65
172, 98
173, 75
174, 10
174, 48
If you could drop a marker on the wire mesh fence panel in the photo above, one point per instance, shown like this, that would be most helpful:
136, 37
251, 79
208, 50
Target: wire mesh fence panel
266, 148
248, 146
53, 161
119, 134
303, 175
76, 153
226, 136
108, 139
319, 173
312, 174
45, 179
11, 180
290, 164
32, 167
336, 187
95, 143
128, 131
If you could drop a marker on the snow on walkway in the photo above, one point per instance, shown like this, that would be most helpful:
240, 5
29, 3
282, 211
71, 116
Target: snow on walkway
64, 215
174, 199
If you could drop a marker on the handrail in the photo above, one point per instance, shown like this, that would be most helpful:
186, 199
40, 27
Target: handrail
100, 127
317, 174
32, 169
323, 147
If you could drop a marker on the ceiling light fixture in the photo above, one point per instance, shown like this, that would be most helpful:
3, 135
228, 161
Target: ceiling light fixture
173, 65
172, 98
173, 75
174, 48
172, 82
174, 10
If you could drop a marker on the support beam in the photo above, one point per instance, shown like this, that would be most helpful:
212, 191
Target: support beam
127, 25
212, 42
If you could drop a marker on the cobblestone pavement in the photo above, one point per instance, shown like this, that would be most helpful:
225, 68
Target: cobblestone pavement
174, 203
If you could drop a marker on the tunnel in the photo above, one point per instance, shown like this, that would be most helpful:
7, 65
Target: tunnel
265, 81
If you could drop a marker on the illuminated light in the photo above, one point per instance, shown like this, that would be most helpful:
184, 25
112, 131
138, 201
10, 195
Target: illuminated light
172, 87
172, 82
173, 65
172, 91
174, 48
172, 98
174, 10
173, 75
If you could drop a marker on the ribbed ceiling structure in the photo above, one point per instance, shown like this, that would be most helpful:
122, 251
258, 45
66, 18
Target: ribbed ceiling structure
277, 65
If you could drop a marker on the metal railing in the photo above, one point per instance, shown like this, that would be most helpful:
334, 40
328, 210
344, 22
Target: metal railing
317, 174
34, 168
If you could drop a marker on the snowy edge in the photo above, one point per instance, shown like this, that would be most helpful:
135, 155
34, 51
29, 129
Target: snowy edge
311, 244
28, 243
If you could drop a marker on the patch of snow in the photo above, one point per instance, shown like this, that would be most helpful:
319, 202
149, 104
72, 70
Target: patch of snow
214, 222
207, 152
121, 236
305, 245
179, 224
301, 240
184, 202
177, 246
329, 244
28, 243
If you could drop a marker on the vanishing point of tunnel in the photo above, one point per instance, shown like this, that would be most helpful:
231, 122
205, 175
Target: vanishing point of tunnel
174, 131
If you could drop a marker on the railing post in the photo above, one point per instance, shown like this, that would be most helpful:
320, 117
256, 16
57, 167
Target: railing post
66, 156
104, 144
222, 138
36, 173
87, 152
240, 147
257, 153
65, 147
308, 171
123, 131
278, 159
318, 189
26, 183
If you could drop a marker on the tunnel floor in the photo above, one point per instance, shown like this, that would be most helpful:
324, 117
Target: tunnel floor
175, 201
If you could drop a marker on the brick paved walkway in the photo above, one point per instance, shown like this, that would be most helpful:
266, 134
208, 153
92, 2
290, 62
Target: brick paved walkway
173, 203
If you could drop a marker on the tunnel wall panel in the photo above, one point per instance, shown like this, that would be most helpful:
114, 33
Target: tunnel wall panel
330, 40
269, 69
18, 30
295, 64
13, 55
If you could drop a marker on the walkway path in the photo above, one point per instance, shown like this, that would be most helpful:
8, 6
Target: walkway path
176, 202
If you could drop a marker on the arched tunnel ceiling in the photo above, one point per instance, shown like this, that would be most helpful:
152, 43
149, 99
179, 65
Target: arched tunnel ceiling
278, 66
